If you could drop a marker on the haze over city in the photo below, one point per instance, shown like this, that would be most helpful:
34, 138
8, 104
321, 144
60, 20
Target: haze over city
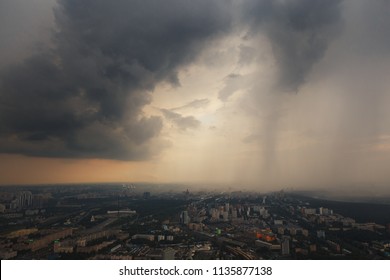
265, 94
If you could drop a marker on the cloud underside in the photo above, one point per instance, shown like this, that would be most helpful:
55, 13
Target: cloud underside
182, 122
83, 96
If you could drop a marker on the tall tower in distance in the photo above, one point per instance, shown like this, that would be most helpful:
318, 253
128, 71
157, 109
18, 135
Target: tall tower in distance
286, 246
184, 218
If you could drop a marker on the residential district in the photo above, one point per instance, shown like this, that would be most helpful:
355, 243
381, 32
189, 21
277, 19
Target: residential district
159, 222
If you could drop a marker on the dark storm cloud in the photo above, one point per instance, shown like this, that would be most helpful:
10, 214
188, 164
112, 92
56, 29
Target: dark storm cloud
182, 122
83, 96
299, 31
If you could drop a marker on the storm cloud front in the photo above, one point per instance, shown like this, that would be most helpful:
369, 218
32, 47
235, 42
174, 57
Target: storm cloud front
264, 93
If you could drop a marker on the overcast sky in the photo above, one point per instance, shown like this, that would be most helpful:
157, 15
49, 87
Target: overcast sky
261, 93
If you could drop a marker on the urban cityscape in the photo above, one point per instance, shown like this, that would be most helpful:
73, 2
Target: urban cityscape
156, 222
253, 134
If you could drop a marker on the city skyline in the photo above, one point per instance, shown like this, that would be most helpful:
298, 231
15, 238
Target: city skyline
148, 222
264, 94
